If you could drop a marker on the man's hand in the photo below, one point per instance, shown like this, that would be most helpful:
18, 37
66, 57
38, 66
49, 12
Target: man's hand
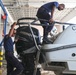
51, 20
13, 24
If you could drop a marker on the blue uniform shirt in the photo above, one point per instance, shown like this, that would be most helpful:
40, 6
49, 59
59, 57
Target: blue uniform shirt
8, 44
48, 6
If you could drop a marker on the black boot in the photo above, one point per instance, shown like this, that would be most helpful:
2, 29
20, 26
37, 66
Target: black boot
46, 40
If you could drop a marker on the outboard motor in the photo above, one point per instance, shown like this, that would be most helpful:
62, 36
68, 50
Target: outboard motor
25, 38
25, 47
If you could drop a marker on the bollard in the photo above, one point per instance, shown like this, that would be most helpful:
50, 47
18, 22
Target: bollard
1, 60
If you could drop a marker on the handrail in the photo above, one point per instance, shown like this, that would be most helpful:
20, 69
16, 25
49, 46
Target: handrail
38, 24
31, 18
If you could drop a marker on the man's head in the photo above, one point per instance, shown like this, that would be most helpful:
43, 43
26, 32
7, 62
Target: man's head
61, 7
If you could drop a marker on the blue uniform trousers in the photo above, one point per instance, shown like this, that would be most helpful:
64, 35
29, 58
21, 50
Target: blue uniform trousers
43, 14
14, 67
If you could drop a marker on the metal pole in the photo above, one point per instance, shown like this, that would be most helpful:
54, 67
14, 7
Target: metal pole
5, 23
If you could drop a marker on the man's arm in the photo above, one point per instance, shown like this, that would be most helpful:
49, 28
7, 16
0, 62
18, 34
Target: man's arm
52, 13
12, 29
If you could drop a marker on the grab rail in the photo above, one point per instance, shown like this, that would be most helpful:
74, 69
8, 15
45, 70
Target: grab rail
34, 20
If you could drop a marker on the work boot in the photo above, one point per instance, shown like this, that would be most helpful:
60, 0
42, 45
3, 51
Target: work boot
47, 41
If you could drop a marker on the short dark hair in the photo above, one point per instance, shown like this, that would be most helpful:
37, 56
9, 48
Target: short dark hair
63, 5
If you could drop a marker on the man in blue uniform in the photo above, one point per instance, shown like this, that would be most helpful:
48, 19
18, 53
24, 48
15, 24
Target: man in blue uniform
14, 67
46, 11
